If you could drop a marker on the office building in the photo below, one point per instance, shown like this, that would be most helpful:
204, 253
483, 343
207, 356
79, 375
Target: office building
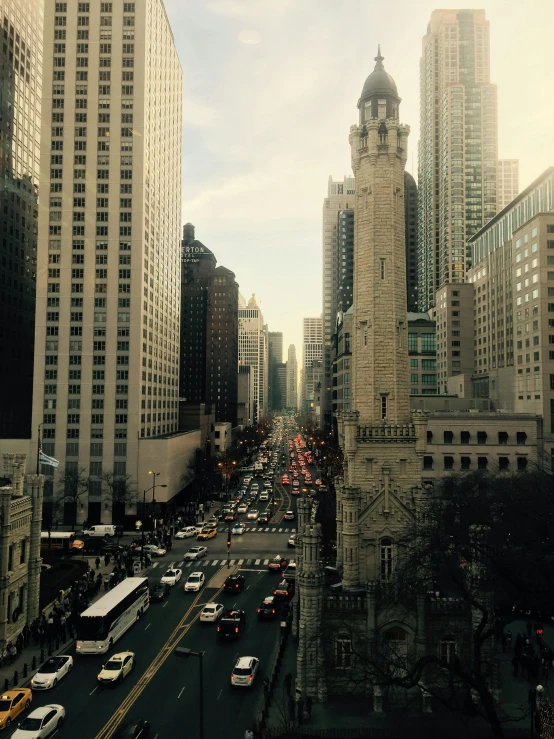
454, 327
312, 364
21, 60
410, 211
108, 273
422, 354
292, 378
345, 262
275, 358
507, 182
281, 386
340, 196
245, 391
341, 363
457, 149
253, 350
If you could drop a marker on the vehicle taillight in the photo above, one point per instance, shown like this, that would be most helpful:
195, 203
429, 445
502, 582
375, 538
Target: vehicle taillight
236, 586
259, 609
250, 677
236, 629
219, 628
273, 610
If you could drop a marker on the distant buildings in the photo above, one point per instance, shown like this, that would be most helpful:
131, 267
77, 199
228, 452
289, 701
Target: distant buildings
275, 358
21, 61
411, 220
292, 378
245, 405
253, 350
507, 182
312, 365
457, 178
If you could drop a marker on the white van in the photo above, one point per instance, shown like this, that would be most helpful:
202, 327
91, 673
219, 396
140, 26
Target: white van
100, 529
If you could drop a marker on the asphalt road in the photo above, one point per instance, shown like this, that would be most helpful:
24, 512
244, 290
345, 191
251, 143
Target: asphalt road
165, 689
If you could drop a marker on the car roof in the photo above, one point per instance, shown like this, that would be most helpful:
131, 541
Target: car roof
12, 693
120, 655
192, 574
42, 711
242, 661
269, 599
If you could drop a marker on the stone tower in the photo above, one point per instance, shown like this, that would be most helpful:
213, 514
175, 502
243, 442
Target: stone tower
382, 444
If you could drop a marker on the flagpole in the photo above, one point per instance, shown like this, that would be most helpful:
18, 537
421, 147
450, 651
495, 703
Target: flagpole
39, 447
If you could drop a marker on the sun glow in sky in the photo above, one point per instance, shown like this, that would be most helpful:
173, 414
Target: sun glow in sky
270, 92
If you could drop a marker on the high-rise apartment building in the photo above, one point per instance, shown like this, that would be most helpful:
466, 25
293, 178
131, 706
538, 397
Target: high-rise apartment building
410, 213
507, 182
275, 358
345, 262
292, 378
340, 196
253, 350
21, 60
108, 274
458, 146
312, 362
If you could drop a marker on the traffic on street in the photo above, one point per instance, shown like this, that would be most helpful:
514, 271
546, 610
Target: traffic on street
219, 594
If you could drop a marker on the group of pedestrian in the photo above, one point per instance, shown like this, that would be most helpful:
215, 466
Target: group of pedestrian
529, 663
8, 654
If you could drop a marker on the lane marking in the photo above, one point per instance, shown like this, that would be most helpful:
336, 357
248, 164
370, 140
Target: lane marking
146, 629
181, 693
164, 605
220, 692
94, 691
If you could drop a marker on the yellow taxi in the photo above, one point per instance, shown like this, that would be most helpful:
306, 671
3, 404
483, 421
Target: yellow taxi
12, 704
206, 533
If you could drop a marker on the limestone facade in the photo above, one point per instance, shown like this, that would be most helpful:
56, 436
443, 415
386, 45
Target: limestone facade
20, 560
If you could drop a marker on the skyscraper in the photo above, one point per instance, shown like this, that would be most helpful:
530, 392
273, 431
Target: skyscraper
107, 331
457, 148
21, 61
340, 196
410, 212
275, 357
253, 350
507, 182
292, 378
345, 262
312, 361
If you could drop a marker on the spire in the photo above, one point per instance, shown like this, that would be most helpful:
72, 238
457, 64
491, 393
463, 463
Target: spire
379, 58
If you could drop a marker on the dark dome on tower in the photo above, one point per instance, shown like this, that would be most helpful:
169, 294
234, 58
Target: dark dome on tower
379, 82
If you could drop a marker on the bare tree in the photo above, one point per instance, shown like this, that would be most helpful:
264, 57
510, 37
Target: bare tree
72, 487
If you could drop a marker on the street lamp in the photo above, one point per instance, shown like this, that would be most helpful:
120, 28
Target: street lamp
144, 516
185, 654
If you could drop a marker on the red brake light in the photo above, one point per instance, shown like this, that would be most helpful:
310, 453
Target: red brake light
250, 677
273, 610
236, 629
259, 609
219, 628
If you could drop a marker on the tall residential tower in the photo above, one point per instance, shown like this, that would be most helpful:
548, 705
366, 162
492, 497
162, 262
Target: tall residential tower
108, 275
292, 378
457, 148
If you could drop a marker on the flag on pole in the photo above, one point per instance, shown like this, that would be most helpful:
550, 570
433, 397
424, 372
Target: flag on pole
50, 461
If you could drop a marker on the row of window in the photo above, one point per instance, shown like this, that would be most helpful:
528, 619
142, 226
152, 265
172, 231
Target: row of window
104, 7
503, 463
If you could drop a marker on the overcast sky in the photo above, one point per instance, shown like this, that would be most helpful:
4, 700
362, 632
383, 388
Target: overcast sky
270, 91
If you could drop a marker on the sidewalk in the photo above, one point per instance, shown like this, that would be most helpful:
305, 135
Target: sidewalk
23, 663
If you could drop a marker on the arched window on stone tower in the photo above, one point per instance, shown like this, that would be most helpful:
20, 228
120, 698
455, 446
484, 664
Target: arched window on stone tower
386, 562
383, 133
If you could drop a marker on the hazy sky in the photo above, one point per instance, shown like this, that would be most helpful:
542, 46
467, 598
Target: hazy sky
270, 91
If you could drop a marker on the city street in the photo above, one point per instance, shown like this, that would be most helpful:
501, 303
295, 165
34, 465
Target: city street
164, 689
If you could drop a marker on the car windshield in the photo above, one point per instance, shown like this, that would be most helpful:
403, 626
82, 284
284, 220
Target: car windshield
5, 705
113, 664
50, 665
209, 609
242, 670
194, 578
31, 724
170, 573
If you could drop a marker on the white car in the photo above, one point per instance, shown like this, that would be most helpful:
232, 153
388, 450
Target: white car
243, 508
211, 612
196, 552
172, 577
264, 496
195, 582
51, 672
187, 532
116, 668
267, 484
154, 550
289, 516
244, 671
41, 722
292, 540
253, 514
238, 528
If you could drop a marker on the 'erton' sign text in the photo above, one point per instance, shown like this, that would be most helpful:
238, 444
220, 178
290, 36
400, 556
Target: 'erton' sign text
192, 253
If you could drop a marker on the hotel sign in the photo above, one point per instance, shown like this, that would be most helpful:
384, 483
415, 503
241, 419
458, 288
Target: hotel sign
192, 254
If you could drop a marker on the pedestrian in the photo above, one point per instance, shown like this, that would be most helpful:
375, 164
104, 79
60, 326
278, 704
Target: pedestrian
288, 683
249, 734
515, 664
504, 642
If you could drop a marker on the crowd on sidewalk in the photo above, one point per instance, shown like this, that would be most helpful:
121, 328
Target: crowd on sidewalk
529, 662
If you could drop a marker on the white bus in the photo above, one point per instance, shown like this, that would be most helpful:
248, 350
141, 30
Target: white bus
101, 625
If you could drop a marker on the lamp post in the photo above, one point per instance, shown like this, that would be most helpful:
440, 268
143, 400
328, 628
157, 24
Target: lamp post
144, 518
535, 699
155, 476
184, 653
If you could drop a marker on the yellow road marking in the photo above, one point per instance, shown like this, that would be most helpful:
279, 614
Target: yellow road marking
108, 730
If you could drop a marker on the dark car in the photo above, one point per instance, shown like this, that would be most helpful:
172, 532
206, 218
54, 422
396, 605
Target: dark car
267, 610
95, 546
159, 592
113, 549
133, 729
231, 624
277, 564
264, 517
234, 584
284, 590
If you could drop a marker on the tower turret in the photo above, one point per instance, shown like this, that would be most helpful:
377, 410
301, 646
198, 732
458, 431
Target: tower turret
379, 98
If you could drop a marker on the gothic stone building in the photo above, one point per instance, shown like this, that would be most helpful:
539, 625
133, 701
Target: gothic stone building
383, 442
20, 561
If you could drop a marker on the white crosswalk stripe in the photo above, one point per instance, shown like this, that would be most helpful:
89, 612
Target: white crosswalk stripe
154, 564
180, 564
266, 561
188, 564
216, 561
274, 529
257, 562
248, 562
280, 530
240, 562
232, 562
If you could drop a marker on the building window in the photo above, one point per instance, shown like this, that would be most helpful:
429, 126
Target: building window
502, 437
465, 437
522, 463
448, 437
481, 437
465, 463
384, 403
412, 343
428, 462
503, 463
343, 653
448, 649
386, 559
449, 463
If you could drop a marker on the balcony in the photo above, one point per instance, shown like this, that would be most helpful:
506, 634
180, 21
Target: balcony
387, 433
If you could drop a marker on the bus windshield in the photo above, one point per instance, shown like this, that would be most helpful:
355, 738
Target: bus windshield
91, 628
